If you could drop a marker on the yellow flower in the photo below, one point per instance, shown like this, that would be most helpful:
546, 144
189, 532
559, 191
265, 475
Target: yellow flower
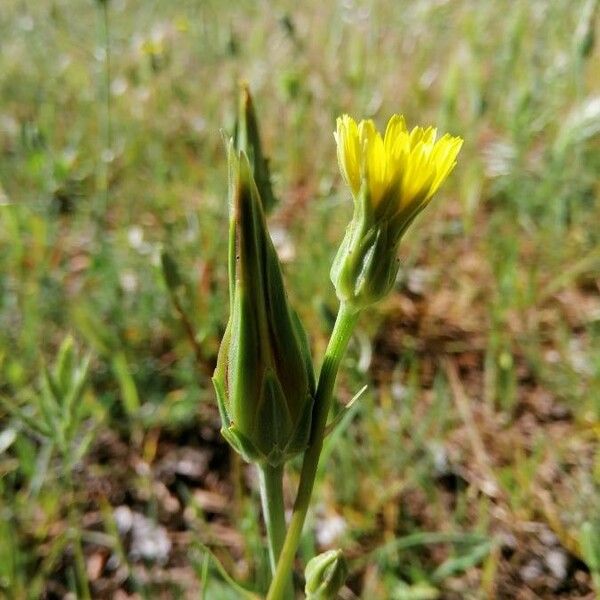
404, 167
392, 179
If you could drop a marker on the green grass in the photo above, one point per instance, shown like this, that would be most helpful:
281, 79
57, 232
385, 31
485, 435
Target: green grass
482, 417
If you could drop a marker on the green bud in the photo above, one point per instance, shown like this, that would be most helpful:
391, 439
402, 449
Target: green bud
264, 379
325, 575
246, 138
366, 265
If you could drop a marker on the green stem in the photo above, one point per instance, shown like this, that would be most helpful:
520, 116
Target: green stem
344, 325
106, 145
74, 534
271, 496
107, 75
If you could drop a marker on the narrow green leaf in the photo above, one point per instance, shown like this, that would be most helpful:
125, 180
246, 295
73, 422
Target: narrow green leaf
242, 591
129, 392
459, 564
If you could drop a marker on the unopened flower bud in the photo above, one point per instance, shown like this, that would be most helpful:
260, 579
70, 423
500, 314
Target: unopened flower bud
264, 380
325, 575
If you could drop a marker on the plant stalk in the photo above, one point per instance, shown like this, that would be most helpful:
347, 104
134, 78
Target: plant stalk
344, 325
273, 508
74, 534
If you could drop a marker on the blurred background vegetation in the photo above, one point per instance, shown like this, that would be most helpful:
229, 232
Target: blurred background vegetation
471, 467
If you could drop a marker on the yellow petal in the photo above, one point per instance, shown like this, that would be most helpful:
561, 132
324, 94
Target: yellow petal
407, 166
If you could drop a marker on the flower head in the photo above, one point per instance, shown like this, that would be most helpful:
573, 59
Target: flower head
403, 167
392, 178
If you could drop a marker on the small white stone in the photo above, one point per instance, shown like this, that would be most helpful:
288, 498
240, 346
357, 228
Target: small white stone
557, 562
119, 86
399, 391
123, 518
135, 237
149, 541
548, 538
418, 280
329, 529
532, 571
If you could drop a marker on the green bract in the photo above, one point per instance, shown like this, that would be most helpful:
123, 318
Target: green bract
366, 264
264, 379
246, 138
325, 575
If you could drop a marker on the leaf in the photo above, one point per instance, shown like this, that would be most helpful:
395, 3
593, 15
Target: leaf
417, 591
65, 364
338, 425
35, 425
242, 591
74, 410
95, 332
462, 563
344, 413
420, 538
129, 392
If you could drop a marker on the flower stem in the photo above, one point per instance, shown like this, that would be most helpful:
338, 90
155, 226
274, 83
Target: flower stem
271, 496
74, 533
344, 325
